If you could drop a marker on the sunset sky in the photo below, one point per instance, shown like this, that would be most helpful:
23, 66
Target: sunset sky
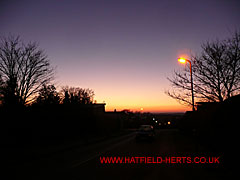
122, 49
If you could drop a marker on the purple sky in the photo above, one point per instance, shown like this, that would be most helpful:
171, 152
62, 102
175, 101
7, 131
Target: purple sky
122, 49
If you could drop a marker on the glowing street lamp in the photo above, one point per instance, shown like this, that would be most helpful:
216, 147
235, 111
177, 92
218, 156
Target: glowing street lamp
183, 61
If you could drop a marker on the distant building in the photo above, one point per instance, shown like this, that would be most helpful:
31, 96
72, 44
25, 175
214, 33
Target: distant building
94, 108
205, 105
98, 107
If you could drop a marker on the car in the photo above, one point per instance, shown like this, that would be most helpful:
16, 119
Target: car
145, 132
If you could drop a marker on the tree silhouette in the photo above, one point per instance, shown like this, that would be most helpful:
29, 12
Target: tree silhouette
66, 99
48, 95
76, 95
216, 73
23, 70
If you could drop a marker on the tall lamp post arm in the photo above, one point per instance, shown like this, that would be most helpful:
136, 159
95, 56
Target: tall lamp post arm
191, 78
183, 61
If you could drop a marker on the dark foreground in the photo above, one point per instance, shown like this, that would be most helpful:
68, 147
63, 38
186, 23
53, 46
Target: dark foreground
83, 162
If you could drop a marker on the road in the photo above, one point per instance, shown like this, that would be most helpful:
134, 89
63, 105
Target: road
84, 162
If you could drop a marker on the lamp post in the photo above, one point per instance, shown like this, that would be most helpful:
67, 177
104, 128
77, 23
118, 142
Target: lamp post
183, 61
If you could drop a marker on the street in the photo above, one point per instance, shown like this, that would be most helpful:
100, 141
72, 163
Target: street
84, 162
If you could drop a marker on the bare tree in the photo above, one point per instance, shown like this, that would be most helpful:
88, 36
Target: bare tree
216, 73
76, 95
47, 96
23, 70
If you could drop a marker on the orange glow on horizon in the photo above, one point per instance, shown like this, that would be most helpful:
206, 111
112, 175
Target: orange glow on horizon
136, 102
151, 109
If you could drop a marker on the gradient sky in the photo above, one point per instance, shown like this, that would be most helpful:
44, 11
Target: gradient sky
122, 49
